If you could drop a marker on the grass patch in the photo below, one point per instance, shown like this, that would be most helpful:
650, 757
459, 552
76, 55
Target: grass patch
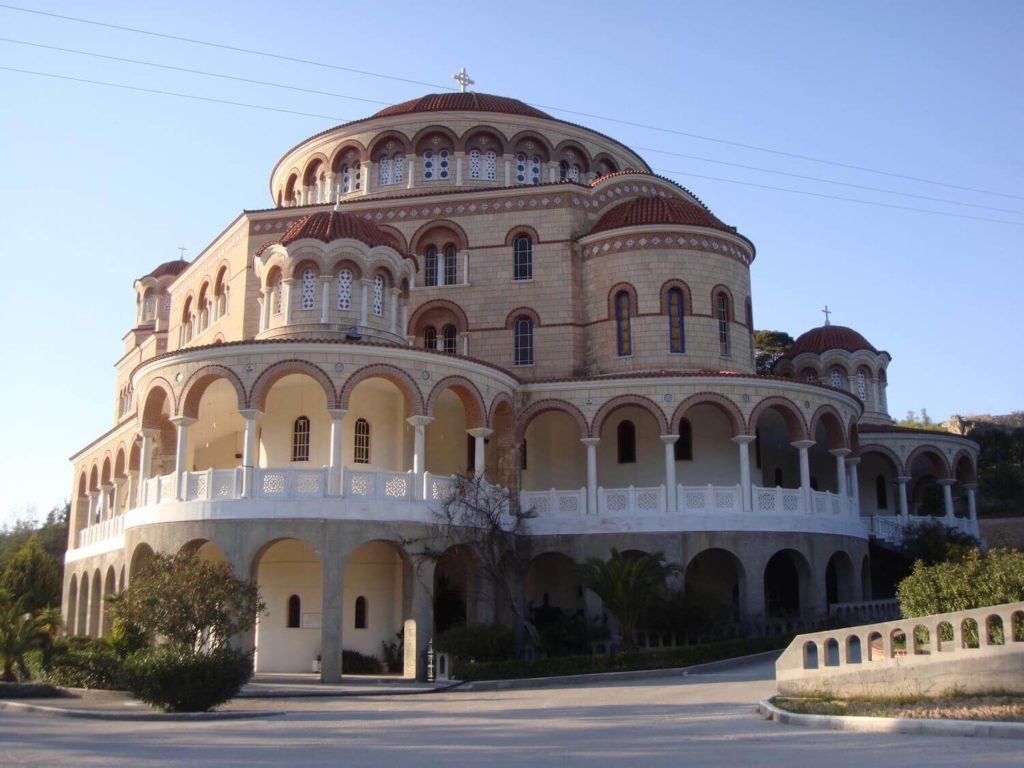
995, 706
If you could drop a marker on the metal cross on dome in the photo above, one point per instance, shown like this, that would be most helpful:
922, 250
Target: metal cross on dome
463, 80
827, 312
181, 252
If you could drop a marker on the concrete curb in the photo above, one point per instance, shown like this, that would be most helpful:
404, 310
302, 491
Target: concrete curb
106, 714
315, 694
922, 726
608, 677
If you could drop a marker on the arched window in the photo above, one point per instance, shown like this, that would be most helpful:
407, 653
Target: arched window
350, 180
676, 331
430, 337
345, 289
378, 296
294, 612
722, 315
490, 165
810, 375
300, 439
360, 613
684, 443
837, 378
528, 168
308, 288
390, 169
568, 171
448, 337
220, 293
361, 444
384, 170
622, 331
522, 333
436, 164
862, 386
627, 442
522, 267
450, 264
881, 493
430, 266
474, 164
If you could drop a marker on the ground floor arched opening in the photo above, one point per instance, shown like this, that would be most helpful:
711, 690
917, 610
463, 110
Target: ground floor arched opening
713, 585
290, 578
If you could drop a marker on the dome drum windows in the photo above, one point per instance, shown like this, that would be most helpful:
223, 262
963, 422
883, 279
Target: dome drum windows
836, 378
723, 314
378, 295
308, 299
528, 168
676, 323
623, 332
436, 165
391, 169
344, 282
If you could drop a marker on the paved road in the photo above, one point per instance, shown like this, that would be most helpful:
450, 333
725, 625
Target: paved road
701, 720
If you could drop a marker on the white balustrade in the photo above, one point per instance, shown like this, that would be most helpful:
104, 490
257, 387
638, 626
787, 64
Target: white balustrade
778, 500
291, 483
438, 488
378, 484
620, 501
107, 529
557, 503
701, 499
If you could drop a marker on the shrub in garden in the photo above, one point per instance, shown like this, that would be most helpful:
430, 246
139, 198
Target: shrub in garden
78, 662
355, 663
478, 642
177, 679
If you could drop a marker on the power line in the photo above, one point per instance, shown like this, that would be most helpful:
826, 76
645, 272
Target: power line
687, 174
333, 94
645, 126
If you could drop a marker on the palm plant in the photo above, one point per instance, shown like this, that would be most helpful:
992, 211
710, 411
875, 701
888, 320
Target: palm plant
21, 632
625, 584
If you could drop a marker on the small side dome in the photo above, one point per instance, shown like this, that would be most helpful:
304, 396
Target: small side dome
655, 210
819, 340
168, 268
328, 226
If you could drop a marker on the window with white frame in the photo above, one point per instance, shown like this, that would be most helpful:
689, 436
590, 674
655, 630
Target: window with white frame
350, 179
522, 249
722, 315
430, 266
390, 169
862, 386
450, 264
300, 439
522, 337
528, 168
475, 164
436, 165
490, 165
448, 339
361, 443
569, 171
378, 296
837, 379
308, 288
345, 289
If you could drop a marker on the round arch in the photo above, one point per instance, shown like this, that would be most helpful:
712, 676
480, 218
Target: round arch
435, 129
721, 403
158, 393
398, 377
517, 231
938, 460
543, 406
543, 146
787, 583
840, 579
468, 394
438, 232
829, 417
621, 401
349, 151
266, 380
492, 412
198, 382
380, 144
472, 136
789, 412
426, 311
964, 468
141, 556
887, 452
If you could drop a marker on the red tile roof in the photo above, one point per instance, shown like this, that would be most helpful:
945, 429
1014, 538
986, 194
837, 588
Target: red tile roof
328, 226
175, 268
463, 102
827, 337
659, 210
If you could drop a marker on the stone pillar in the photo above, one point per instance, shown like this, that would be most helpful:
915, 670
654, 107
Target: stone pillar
364, 177
331, 617
508, 172
180, 468
972, 509
132, 486
145, 461
458, 170
419, 622
393, 310
852, 465
404, 317
412, 174
947, 498
249, 457
110, 491
671, 495
480, 435
325, 305
264, 304
904, 506
364, 293
334, 467
419, 424
841, 454
286, 297
805, 471
94, 506
743, 443
591, 443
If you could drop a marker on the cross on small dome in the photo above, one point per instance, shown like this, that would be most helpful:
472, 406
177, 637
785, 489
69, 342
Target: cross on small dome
826, 312
463, 80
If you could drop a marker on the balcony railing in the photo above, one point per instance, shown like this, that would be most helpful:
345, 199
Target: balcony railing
101, 531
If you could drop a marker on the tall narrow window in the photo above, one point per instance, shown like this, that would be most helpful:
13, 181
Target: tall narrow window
294, 612
684, 443
490, 165
361, 446
300, 439
448, 339
522, 456
430, 266
398, 169
862, 386
360, 614
837, 379
522, 332
277, 297
676, 331
436, 164
345, 289
450, 264
378, 296
430, 337
722, 314
622, 330
384, 170
536, 164
881, 493
522, 266
308, 288
627, 442
474, 164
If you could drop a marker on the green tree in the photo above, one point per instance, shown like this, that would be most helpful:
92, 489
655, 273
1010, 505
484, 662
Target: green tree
20, 632
32, 576
194, 604
932, 542
978, 579
769, 346
625, 584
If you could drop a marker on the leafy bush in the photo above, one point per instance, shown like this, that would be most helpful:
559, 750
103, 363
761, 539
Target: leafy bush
178, 679
355, 663
933, 543
478, 642
623, 662
78, 662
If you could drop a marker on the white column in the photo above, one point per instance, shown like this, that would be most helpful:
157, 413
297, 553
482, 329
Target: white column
852, 464
94, 506
947, 498
419, 424
334, 467
264, 311
480, 435
107, 504
145, 461
411, 176
287, 299
364, 293
132, 494
591, 443
508, 172
393, 310
364, 179
805, 471
458, 170
180, 468
404, 315
325, 304
465, 344
465, 268
841, 454
972, 509
904, 506
249, 451
671, 496
743, 443
553, 172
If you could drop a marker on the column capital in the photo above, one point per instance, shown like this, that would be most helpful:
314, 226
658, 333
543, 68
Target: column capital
947, 481
853, 461
802, 445
743, 439
182, 421
288, 281
668, 439
840, 452
337, 413
903, 480
106, 487
590, 441
970, 487
149, 432
419, 421
480, 432
250, 413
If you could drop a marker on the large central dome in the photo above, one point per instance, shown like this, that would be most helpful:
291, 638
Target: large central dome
463, 102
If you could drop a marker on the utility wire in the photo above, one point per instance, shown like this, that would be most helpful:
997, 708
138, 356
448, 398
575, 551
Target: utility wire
699, 137
333, 94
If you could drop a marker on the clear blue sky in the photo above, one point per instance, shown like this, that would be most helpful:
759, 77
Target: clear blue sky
101, 184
